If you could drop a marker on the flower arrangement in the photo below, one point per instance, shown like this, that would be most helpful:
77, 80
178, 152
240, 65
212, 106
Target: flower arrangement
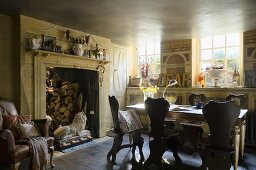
144, 70
80, 40
149, 89
77, 40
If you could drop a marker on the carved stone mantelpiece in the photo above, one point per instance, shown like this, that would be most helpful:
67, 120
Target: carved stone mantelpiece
44, 59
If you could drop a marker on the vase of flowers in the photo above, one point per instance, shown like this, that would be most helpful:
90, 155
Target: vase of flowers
144, 74
148, 91
148, 94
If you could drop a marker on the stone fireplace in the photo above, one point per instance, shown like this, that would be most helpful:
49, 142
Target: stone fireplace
44, 60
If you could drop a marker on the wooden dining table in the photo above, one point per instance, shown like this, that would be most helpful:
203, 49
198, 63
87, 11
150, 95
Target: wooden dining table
190, 113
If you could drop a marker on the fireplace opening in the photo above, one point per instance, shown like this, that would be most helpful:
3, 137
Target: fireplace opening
70, 91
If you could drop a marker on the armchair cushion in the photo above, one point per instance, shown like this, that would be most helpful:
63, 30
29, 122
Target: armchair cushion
27, 130
11, 122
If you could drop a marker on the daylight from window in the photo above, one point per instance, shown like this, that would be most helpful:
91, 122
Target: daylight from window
149, 60
221, 51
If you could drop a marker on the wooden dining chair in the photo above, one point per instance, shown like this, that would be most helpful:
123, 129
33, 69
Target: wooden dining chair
221, 117
161, 141
125, 122
239, 99
195, 99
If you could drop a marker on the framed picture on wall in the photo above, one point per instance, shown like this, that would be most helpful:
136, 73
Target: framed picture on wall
48, 43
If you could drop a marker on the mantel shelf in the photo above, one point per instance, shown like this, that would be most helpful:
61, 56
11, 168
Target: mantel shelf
49, 53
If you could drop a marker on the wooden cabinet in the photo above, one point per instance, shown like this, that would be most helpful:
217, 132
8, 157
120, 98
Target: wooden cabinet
134, 94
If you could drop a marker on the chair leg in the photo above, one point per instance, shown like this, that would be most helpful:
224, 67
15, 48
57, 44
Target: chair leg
115, 147
202, 154
173, 143
219, 161
140, 149
138, 141
51, 150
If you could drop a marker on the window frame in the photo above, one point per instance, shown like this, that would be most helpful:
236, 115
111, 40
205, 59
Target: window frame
150, 56
199, 60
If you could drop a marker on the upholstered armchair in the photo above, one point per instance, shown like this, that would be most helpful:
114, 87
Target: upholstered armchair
13, 149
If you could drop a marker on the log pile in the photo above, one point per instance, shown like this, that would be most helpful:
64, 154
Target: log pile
61, 103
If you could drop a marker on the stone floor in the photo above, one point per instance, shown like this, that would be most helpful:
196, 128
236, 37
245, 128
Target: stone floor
94, 158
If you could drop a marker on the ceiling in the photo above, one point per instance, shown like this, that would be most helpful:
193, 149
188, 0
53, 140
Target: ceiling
128, 22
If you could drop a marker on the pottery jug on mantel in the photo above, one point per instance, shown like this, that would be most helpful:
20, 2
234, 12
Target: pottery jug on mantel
78, 49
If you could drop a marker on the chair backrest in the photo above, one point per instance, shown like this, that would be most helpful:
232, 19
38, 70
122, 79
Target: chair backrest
157, 110
124, 121
221, 117
114, 107
196, 98
239, 99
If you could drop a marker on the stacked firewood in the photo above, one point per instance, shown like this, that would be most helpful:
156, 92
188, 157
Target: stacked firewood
62, 103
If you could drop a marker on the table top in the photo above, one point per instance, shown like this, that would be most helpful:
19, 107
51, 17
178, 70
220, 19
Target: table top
183, 109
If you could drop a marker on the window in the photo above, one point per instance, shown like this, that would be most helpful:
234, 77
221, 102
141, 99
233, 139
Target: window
221, 51
149, 60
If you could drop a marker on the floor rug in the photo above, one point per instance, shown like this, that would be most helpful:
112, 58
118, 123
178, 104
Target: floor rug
84, 145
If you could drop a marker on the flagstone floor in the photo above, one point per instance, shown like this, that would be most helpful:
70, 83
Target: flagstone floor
94, 158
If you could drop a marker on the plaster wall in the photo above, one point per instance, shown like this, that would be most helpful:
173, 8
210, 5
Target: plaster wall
7, 57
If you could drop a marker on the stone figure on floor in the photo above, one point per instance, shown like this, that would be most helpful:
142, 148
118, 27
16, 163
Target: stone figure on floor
77, 128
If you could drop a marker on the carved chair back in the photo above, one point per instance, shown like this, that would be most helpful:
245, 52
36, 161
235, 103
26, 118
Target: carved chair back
239, 99
114, 107
197, 98
221, 117
157, 110
125, 122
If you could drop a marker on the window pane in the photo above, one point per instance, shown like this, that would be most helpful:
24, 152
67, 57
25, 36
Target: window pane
206, 54
233, 39
219, 53
149, 53
154, 69
157, 48
205, 65
219, 41
156, 59
232, 65
142, 59
206, 42
141, 50
219, 63
233, 52
150, 59
150, 48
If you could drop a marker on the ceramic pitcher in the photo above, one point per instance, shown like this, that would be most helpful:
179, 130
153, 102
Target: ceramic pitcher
78, 49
